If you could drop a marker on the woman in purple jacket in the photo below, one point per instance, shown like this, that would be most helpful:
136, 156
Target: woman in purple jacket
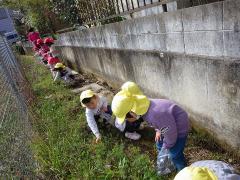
169, 120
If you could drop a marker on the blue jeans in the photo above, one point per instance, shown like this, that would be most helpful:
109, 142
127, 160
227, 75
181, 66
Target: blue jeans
176, 152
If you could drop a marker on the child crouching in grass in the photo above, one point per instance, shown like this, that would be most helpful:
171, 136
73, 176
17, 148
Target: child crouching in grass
97, 107
64, 73
168, 119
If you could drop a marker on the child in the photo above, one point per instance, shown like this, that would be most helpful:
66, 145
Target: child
63, 72
44, 48
45, 57
129, 128
49, 42
52, 61
33, 36
208, 169
96, 107
169, 120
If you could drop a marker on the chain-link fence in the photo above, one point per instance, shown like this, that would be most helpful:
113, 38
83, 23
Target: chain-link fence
16, 159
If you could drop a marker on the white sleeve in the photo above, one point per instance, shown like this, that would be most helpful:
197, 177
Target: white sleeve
69, 71
92, 123
56, 76
120, 126
104, 101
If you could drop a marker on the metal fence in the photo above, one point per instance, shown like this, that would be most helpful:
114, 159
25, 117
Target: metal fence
16, 159
100, 10
91, 11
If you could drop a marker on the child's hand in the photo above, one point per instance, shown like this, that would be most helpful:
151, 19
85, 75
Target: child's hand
158, 136
104, 109
98, 139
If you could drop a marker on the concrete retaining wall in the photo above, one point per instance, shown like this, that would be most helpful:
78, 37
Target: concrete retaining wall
155, 53
209, 88
210, 30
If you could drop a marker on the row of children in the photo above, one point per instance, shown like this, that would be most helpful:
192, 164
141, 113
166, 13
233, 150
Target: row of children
49, 57
131, 108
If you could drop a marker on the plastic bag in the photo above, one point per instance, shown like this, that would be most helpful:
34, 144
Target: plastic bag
164, 162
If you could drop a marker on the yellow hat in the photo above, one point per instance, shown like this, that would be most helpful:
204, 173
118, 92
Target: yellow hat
130, 98
121, 105
195, 173
59, 65
86, 94
132, 88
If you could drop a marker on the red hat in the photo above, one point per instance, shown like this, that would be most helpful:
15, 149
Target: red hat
53, 60
39, 41
48, 40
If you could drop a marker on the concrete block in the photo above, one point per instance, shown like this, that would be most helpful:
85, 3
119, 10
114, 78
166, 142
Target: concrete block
124, 27
153, 11
205, 17
127, 41
174, 42
208, 43
169, 22
231, 18
232, 44
144, 25
152, 42
172, 6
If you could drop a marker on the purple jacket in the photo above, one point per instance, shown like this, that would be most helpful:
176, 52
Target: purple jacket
169, 118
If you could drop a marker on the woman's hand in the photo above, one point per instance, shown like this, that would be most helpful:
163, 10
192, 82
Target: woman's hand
158, 136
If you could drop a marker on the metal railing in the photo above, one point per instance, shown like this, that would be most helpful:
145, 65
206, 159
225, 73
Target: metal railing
16, 158
93, 12
99, 10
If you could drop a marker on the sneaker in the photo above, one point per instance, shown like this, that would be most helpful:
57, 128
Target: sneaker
133, 136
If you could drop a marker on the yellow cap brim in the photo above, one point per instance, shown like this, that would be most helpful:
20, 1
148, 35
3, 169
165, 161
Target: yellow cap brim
83, 105
87, 96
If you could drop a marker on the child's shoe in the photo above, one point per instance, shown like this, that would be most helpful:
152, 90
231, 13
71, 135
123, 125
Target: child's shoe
133, 136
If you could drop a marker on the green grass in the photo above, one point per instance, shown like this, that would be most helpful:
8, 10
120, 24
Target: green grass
65, 148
